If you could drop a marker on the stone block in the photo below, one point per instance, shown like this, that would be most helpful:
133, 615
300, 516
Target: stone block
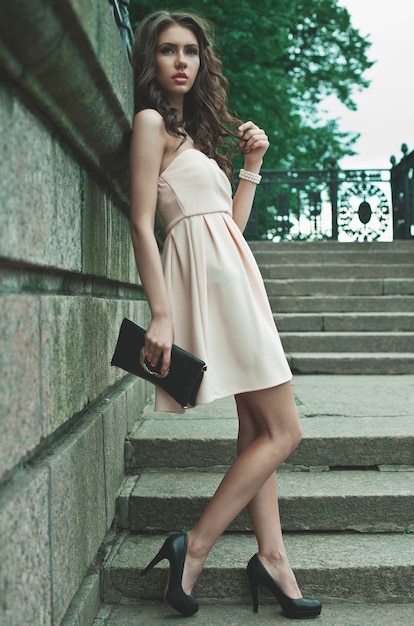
94, 233
78, 338
20, 414
114, 432
75, 360
138, 394
72, 353
25, 581
39, 192
77, 508
120, 255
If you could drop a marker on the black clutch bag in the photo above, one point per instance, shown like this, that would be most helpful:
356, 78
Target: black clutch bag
183, 379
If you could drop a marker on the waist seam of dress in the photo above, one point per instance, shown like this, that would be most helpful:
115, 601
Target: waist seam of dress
180, 218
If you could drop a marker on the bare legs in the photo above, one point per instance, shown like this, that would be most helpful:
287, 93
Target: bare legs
263, 511
269, 431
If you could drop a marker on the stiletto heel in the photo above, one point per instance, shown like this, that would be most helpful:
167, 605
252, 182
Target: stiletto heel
301, 608
255, 595
174, 549
162, 554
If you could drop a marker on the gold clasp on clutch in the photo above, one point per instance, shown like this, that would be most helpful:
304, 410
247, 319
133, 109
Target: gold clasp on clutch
143, 363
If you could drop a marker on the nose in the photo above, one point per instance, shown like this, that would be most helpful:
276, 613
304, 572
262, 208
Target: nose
180, 60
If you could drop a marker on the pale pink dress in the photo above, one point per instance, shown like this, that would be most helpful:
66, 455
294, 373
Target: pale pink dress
220, 308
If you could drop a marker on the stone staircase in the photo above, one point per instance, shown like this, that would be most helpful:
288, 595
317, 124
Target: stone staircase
342, 308
346, 494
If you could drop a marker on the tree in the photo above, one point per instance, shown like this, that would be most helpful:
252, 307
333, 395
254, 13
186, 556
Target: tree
282, 57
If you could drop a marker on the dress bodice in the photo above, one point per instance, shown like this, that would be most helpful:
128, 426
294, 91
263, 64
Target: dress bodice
192, 184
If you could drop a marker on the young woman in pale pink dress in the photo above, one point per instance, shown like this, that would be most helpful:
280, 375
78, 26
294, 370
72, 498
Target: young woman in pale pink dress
206, 293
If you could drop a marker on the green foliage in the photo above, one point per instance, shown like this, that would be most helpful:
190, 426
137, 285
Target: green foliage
282, 57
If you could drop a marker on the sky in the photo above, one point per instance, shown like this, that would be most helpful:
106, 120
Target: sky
384, 116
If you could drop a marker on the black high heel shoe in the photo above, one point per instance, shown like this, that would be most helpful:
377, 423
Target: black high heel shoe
301, 608
174, 549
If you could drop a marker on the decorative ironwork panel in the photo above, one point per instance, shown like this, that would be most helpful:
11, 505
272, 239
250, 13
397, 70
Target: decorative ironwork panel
349, 205
364, 210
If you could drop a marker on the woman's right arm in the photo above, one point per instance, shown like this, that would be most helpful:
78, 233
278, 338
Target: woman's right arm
146, 153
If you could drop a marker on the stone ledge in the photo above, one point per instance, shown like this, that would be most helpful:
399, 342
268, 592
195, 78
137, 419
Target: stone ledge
235, 613
91, 101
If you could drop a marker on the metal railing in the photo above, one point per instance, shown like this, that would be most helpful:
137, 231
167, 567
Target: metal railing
120, 10
345, 205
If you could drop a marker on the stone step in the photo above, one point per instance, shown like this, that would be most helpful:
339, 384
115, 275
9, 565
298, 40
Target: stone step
330, 566
340, 287
344, 322
331, 441
347, 421
327, 341
364, 500
341, 304
332, 257
367, 247
338, 271
210, 614
345, 363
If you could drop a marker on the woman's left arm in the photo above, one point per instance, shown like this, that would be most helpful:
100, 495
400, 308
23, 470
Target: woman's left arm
253, 142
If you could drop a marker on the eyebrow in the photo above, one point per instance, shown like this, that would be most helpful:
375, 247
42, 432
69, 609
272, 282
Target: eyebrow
174, 45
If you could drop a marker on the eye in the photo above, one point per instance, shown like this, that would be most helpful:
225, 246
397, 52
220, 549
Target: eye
166, 50
192, 51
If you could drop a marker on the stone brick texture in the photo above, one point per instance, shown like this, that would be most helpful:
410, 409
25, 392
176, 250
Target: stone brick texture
67, 278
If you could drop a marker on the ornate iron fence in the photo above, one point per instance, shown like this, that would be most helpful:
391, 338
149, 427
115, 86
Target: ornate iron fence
345, 205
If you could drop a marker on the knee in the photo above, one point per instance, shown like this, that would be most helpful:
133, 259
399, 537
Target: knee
295, 437
285, 441
292, 437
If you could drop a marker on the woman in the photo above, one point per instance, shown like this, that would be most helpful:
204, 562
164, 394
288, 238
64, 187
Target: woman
207, 293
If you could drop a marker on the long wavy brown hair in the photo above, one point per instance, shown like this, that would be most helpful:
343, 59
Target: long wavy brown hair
206, 117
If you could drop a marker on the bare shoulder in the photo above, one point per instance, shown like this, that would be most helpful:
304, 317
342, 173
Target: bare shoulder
148, 144
149, 119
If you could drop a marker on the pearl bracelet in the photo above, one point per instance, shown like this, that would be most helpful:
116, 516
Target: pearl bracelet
250, 176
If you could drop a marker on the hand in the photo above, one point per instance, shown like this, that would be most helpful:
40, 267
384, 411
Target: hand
253, 141
158, 343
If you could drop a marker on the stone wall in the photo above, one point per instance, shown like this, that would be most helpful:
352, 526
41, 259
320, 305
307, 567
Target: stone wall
68, 277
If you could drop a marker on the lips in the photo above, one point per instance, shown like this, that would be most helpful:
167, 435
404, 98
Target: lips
180, 78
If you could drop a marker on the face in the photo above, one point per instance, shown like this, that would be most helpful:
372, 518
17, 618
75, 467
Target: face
177, 61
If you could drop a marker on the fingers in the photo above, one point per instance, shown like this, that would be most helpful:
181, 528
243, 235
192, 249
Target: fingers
252, 138
155, 351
